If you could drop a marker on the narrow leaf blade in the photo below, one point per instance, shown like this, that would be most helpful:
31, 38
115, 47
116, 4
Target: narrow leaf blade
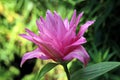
94, 71
45, 69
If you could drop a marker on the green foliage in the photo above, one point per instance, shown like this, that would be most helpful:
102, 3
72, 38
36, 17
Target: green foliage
94, 71
9, 74
45, 69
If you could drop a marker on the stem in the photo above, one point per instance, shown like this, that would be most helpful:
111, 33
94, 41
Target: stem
66, 70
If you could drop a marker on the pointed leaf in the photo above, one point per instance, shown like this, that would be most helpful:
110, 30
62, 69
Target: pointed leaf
45, 69
94, 71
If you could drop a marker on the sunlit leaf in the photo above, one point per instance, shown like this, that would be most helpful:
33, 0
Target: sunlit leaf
45, 69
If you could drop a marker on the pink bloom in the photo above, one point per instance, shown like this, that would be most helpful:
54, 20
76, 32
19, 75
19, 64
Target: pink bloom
57, 39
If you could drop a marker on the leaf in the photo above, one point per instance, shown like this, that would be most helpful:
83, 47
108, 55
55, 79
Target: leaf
94, 71
45, 69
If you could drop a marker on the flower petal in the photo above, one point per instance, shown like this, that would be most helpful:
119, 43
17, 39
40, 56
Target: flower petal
34, 54
26, 37
51, 50
78, 19
39, 25
48, 40
73, 19
84, 27
79, 53
51, 23
47, 32
80, 41
31, 33
61, 30
66, 23
68, 37
50, 19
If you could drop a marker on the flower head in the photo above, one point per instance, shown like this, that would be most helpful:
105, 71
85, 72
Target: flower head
57, 39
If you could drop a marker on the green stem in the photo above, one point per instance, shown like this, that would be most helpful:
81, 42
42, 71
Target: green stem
66, 70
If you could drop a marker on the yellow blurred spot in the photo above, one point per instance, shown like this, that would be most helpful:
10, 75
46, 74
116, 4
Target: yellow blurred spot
1, 8
10, 19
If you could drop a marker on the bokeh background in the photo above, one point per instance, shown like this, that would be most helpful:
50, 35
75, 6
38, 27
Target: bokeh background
103, 37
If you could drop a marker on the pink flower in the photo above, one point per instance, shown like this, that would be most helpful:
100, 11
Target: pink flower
57, 39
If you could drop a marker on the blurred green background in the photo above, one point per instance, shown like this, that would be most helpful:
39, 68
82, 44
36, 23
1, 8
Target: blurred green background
103, 37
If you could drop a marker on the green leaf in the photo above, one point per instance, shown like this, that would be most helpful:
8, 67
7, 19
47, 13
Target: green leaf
94, 71
45, 69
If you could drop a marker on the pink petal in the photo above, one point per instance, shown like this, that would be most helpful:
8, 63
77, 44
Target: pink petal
46, 39
67, 39
34, 54
50, 49
31, 33
73, 19
45, 26
26, 37
79, 53
39, 25
51, 23
80, 41
42, 20
84, 27
48, 32
78, 19
50, 18
66, 23
61, 30
30, 38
